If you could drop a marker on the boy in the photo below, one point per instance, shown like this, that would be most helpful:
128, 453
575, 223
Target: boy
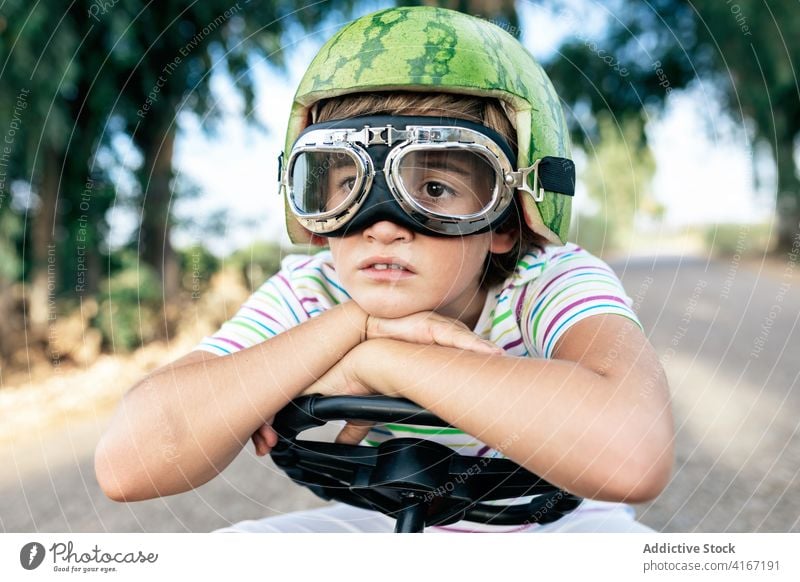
429, 151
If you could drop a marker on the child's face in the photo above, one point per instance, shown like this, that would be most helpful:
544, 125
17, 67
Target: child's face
441, 274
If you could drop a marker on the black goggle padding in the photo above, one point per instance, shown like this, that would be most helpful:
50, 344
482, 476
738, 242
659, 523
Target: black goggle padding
380, 204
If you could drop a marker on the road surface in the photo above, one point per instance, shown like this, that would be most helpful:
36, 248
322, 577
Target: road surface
726, 333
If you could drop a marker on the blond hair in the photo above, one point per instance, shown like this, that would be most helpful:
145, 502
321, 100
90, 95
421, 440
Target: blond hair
489, 112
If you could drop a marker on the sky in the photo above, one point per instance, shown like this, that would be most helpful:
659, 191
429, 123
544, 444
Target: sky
703, 176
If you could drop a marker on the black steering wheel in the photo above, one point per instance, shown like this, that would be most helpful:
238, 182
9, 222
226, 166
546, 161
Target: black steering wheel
418, 482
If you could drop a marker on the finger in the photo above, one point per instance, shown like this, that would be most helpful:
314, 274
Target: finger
269, 435
328, 384
465, 340
460, 324
259, 443
415, 328
265, 438
352, 433
476, 344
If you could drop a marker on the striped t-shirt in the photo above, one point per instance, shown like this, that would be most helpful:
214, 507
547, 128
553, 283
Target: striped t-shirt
551, 289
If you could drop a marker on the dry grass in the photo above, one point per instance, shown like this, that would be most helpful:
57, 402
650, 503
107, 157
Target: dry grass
45, 394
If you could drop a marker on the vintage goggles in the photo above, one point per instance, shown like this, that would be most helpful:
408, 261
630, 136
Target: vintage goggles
434, 175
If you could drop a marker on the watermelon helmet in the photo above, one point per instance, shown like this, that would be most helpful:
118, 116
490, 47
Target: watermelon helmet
427, 49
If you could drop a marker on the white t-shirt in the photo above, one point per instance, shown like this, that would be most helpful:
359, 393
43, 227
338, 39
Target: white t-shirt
551, 289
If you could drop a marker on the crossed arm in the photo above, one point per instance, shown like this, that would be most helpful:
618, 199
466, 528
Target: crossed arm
593, 420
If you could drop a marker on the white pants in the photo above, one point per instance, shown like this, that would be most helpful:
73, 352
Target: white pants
590, 517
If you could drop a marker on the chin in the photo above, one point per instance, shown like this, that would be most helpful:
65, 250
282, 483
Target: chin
387, 308
389, 311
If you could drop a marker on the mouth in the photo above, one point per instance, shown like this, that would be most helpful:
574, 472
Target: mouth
385, 264
386, 268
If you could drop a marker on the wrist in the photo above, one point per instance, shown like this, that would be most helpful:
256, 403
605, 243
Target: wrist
377, 361
372, 327
357, 319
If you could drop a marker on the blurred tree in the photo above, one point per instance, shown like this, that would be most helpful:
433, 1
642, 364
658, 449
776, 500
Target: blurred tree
91, 71
745, 49
257, 262
10, 270
618, 177
37, 103
165, 56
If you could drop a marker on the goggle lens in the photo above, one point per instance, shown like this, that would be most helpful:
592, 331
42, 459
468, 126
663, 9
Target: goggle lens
452, 183
322, 181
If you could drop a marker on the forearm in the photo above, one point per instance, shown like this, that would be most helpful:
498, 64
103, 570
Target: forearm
184, 424
593, 435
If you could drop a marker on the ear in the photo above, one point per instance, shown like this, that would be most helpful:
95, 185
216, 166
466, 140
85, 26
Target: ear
503, 241
318, 241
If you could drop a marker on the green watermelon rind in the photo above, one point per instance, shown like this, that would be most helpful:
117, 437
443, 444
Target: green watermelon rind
364, 56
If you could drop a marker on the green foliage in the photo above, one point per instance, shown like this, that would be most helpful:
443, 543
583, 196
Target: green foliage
257, 262
618, 178
197, 265
743, 53
10, 229
92, 71
593, 233
129, 311
739, 239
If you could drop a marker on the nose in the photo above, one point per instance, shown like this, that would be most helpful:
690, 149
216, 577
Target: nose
386, 232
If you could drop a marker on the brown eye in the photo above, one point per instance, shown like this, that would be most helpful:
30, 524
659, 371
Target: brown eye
434, 189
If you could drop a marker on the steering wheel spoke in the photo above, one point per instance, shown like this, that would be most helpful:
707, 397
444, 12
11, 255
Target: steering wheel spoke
417, 481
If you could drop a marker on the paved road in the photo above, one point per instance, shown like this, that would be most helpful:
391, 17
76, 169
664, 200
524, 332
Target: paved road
727, 334
729, 339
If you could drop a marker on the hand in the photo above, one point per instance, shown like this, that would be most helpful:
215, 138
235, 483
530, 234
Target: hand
354, 432
342, 379
428, 327
265, 438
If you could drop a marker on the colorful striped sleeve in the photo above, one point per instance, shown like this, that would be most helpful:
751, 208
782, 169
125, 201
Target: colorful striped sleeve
303, 288
573, 285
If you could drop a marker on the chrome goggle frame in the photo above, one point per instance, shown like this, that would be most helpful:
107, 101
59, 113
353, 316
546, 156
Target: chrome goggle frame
353, 143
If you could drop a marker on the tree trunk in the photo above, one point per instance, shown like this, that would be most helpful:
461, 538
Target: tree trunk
45, 266
788, 196
154, 241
